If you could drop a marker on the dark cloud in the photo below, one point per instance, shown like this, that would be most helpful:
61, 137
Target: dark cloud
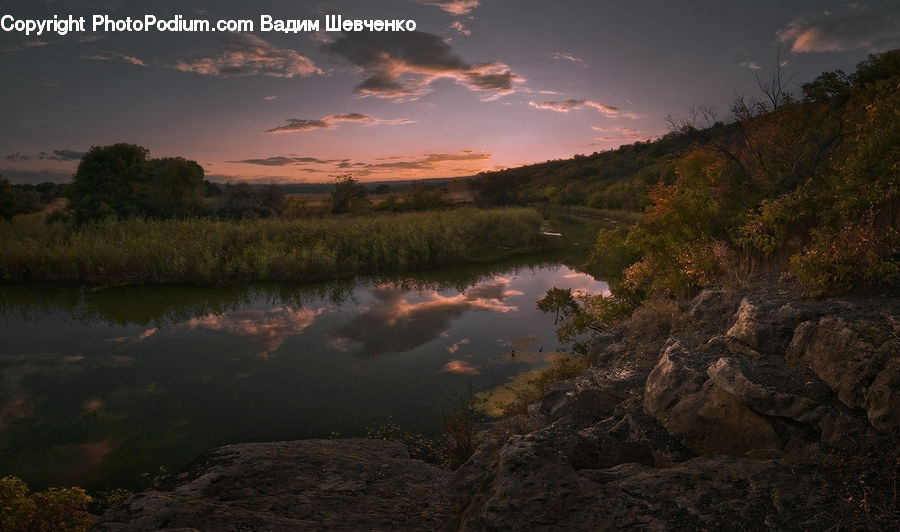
330, 122
430, 160
403, 65
852, 26
455, 7
18, 156
61, 155
284, 161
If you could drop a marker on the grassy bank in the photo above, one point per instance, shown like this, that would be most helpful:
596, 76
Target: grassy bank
213, 251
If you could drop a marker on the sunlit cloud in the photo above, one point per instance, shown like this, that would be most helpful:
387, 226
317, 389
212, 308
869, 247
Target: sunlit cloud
115, 56
402, 66
852, 26
623, 133
454, 7
460, 367
565, 56
751, 65
331, 122
564, 106
247, 55
460, 28
268, 329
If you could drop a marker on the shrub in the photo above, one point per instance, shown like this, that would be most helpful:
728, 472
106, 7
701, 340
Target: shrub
55, 509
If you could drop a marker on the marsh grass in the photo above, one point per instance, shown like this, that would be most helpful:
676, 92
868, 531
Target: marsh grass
203, 251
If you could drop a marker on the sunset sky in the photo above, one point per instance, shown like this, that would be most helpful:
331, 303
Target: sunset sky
480, 85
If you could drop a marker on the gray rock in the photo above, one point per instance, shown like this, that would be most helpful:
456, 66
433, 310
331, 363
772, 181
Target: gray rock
766, 325
339, 484
857, 357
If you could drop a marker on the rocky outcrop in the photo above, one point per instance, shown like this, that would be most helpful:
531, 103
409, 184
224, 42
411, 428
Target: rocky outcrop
298, 485
750, 416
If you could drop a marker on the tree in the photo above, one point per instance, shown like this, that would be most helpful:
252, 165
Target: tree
108, 181
8, 206
348, 195
172, 188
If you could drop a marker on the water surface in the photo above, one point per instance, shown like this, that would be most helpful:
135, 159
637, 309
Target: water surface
97, 387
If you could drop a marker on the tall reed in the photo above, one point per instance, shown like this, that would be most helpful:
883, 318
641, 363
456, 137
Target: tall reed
214, 251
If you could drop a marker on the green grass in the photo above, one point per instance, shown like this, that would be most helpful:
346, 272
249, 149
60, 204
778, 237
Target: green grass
203, 251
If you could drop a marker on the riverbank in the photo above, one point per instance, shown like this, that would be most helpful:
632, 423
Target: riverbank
755, 410
204, 251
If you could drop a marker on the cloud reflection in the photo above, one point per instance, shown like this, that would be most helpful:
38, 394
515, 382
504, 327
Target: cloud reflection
267, 329
460, 367
393, 323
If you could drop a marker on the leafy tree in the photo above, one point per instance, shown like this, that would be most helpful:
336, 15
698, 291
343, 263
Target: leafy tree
348, 195
108, 182
172, 188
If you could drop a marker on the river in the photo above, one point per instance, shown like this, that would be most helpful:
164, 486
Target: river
100, 386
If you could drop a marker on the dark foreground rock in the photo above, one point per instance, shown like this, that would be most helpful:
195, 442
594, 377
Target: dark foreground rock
297, 485
763, 412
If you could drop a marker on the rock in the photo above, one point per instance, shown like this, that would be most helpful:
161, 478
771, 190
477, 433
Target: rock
701, 415
780, 419
857, 358
346, 484
883, 397
767, 326
519, 486
597, 448
743, 379
595, 394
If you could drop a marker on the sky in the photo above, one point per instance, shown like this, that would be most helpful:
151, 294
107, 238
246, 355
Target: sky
479, 85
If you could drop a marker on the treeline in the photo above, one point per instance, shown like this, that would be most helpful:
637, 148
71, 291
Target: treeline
27, 198
121, 181
616, 179
808, 183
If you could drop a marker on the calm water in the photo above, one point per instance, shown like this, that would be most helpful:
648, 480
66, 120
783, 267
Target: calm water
97, 387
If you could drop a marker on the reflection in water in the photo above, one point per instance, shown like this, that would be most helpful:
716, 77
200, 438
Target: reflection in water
17, 407
454, 347
88, 458
89, 388
394, 324
267, 328
460, 367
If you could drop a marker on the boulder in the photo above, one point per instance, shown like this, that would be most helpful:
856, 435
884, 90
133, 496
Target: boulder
356, 484
766, 326
858, 357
